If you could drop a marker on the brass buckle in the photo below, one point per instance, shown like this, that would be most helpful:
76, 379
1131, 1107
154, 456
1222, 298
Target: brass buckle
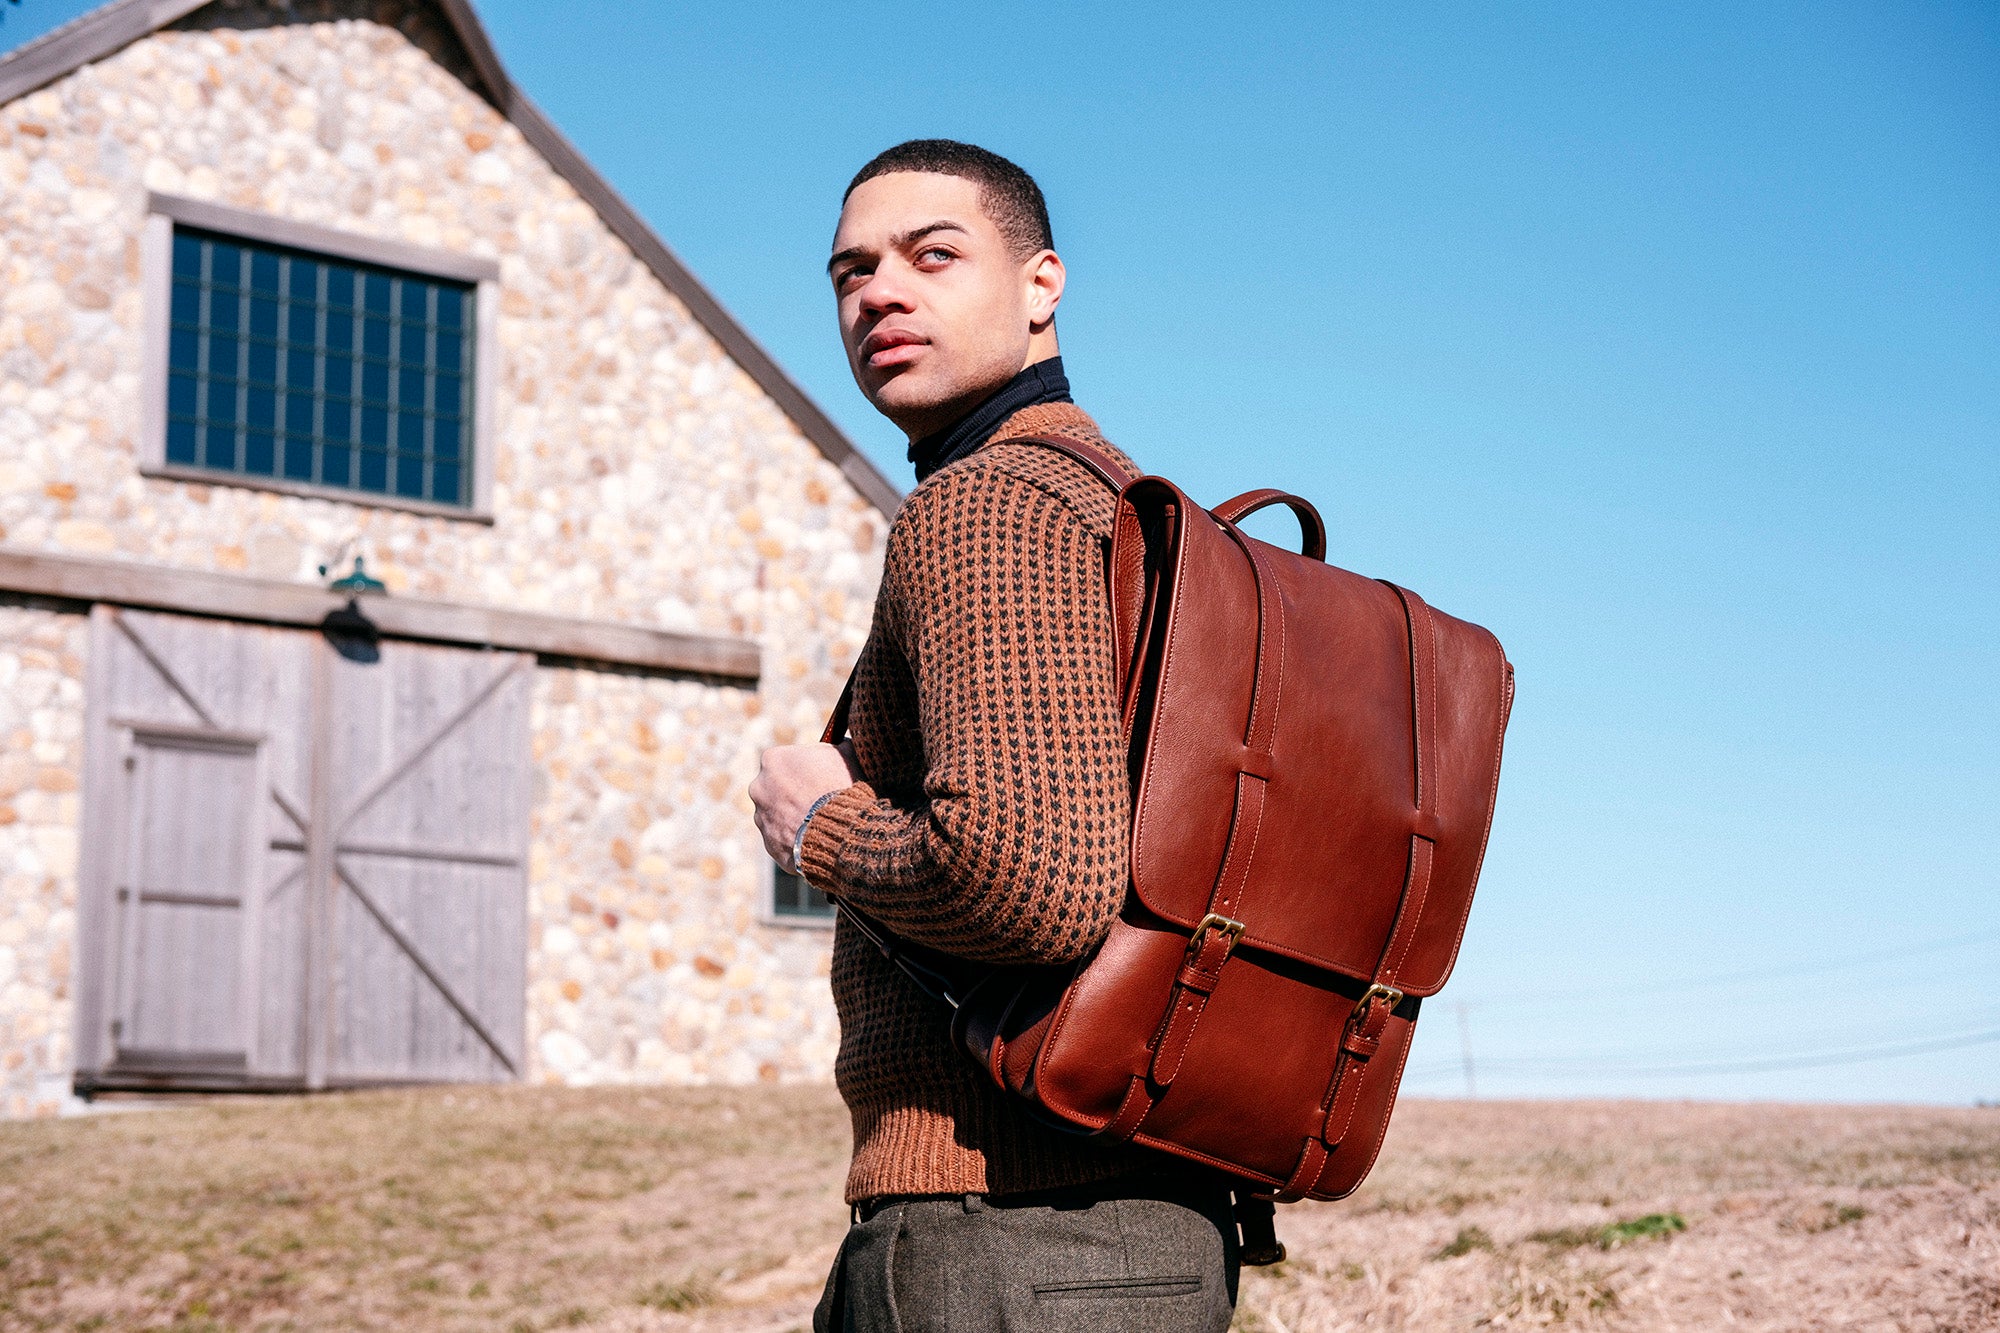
1376, 991
1230, 928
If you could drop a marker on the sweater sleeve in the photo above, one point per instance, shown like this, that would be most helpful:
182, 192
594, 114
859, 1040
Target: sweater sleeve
1014, 849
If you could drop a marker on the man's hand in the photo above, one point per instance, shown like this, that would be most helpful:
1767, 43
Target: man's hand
789, 779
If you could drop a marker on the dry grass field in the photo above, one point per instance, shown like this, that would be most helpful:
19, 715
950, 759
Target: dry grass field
532, 1209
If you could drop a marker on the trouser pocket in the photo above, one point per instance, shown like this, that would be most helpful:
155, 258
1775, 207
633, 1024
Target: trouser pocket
1118, 1289
1156, 1304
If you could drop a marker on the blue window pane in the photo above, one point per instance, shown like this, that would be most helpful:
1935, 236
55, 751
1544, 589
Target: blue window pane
181, 395
184, 349
317, 371
221, 450
225, 266
180, 441
336, 465
260, 454
264, 271
410, 476
299, 457
187, 256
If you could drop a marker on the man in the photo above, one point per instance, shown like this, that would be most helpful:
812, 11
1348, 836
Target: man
981, 804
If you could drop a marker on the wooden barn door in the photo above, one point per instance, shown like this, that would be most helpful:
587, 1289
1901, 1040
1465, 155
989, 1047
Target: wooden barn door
197, 788
301, 867
429, 763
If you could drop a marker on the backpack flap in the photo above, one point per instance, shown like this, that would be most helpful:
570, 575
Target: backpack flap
1275, 735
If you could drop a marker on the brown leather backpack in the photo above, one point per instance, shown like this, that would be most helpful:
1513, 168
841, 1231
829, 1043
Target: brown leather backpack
1314, 758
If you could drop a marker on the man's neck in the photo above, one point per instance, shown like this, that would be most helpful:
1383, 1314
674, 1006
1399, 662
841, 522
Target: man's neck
1041, 382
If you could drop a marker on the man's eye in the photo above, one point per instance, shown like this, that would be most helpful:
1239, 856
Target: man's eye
937, 254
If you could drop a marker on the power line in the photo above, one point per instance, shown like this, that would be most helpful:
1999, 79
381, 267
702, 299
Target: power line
1748, 975
1585, 1067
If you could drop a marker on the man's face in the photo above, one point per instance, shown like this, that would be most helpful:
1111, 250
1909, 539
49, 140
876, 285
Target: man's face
935, 312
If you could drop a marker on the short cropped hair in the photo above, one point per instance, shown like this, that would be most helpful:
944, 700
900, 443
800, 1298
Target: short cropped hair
1008, 194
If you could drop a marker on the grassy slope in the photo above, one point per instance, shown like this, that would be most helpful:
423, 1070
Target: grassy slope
629, 1209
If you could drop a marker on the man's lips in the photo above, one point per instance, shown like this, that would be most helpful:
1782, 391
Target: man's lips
890, 347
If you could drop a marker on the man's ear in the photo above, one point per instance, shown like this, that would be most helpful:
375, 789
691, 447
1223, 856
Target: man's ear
1044, 275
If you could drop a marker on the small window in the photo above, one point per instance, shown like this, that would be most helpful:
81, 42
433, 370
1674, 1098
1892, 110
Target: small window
324, 372
794, 901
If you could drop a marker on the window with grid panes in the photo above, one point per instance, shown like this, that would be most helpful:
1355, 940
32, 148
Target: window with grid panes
322, 371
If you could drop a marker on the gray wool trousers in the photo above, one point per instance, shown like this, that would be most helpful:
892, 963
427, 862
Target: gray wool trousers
1158, 1261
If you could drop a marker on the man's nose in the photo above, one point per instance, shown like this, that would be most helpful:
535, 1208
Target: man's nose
887, 291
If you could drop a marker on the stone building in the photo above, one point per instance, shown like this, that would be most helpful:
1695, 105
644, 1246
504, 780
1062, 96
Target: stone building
292, 290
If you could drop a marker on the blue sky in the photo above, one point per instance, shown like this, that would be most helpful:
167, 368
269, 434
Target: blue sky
1663, 340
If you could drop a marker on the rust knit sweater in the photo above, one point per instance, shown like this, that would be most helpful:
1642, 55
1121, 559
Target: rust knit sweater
993, 821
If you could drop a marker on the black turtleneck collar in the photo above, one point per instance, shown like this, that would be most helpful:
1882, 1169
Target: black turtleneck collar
1043, 382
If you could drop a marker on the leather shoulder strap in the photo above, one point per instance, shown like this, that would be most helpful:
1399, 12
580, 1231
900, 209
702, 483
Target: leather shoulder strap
1106, 468
1101, 464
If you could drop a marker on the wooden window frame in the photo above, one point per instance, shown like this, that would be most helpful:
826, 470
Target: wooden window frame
771, 916
156, 269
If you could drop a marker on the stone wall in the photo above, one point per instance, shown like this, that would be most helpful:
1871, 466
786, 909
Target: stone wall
648, 958
640, 476
41, 766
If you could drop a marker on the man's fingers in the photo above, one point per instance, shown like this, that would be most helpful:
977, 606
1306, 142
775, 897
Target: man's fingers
789, 779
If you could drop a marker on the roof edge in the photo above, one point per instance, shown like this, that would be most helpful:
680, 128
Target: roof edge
97, 34
625, 222
92, 36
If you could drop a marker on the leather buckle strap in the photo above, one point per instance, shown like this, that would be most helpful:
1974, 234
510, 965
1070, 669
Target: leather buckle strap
1376, 991
1213, 942
1231, 932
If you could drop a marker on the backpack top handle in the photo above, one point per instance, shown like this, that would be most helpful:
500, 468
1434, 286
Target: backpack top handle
1314, 529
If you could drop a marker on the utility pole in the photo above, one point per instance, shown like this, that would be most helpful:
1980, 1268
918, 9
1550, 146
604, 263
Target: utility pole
1465, 1049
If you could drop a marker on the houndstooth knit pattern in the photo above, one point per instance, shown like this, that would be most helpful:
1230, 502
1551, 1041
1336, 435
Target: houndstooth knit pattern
993, 821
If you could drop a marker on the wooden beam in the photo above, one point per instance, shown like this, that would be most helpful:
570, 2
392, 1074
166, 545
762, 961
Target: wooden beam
236, 597
275, 230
